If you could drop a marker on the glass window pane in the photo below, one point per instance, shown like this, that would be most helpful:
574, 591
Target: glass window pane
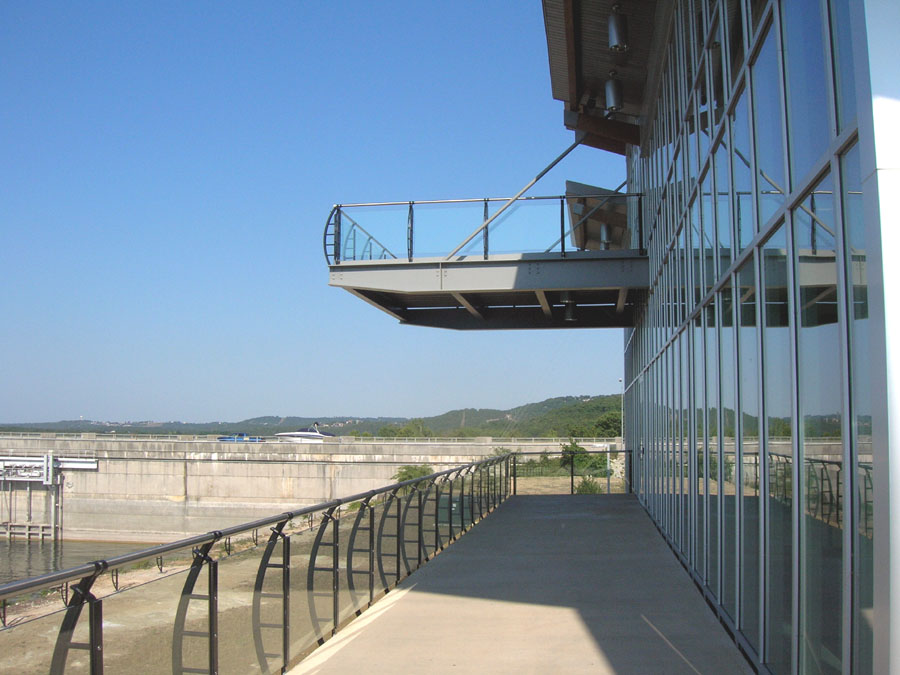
845, 85
768, 124
735, 19
821, 447
757, 9
779, 413
712, 444
728, 491
805, 85
699, 458
723, 212
741, 171
858, 292
717, 76
685, 437
696, 253
709, 233
703, 113
748, 366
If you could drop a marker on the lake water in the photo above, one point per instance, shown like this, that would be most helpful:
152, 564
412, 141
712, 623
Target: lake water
21, 559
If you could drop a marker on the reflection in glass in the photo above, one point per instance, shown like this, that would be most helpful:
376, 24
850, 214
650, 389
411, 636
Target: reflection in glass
735, 20
757, 9
779, 413
709, 233
805, 85
845, 86
687, 40
858, 292
741, 170
703, 113
728, 489
696, 252
685, 381
700, 461
723, 213
821, 447
717, 75
768, 127
750, 479
713, 462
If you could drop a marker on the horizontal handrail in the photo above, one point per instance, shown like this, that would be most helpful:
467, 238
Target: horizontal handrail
479, 200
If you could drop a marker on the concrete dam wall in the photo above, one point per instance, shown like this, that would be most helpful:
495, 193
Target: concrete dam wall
155, 490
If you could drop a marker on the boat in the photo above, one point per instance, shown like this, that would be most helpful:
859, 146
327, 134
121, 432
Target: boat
305, 435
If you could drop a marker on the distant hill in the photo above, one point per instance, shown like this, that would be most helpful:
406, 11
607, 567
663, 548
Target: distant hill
560, 416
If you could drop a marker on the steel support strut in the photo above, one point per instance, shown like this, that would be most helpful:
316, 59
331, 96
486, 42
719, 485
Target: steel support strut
81, 594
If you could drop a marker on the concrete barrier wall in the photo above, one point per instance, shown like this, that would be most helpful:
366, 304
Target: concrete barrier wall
160, 490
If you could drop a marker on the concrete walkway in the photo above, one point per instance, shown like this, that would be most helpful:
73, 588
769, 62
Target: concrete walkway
546, 584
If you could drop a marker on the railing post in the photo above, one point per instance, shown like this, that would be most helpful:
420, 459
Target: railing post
450, 512
409, 232
608, 471
472, 502
286, 600
401, 535
462, 504
480, 493
372, 553
437, 518
515, 472
572, 474
562, 226
421, 525
485, 230
213, 590
95, 617
337, 236
335, 578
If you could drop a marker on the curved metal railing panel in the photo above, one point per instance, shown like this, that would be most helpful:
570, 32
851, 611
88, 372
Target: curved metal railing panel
409, 528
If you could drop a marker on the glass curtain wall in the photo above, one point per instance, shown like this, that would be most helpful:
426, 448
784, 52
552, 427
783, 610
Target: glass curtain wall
747, 401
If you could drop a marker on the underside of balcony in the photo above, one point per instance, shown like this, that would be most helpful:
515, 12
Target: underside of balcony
583, 289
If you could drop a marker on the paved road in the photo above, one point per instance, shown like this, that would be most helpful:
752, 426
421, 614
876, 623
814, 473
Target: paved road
546, 584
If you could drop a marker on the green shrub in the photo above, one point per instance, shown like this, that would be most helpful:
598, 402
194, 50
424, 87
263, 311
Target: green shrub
588, 486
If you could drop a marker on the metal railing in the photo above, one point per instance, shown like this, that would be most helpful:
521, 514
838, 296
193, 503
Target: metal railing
231, 596
401, 225
597, 471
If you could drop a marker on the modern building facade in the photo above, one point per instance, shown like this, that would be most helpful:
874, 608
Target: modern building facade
761, 353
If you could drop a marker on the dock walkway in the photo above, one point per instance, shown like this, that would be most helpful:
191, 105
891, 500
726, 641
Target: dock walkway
546, 584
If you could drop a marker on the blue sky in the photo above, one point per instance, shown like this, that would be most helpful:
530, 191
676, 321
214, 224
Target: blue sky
167, 172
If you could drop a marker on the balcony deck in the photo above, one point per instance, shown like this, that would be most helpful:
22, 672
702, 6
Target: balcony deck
545, 584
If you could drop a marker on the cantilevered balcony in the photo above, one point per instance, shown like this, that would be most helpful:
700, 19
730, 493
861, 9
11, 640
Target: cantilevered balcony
565, 261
